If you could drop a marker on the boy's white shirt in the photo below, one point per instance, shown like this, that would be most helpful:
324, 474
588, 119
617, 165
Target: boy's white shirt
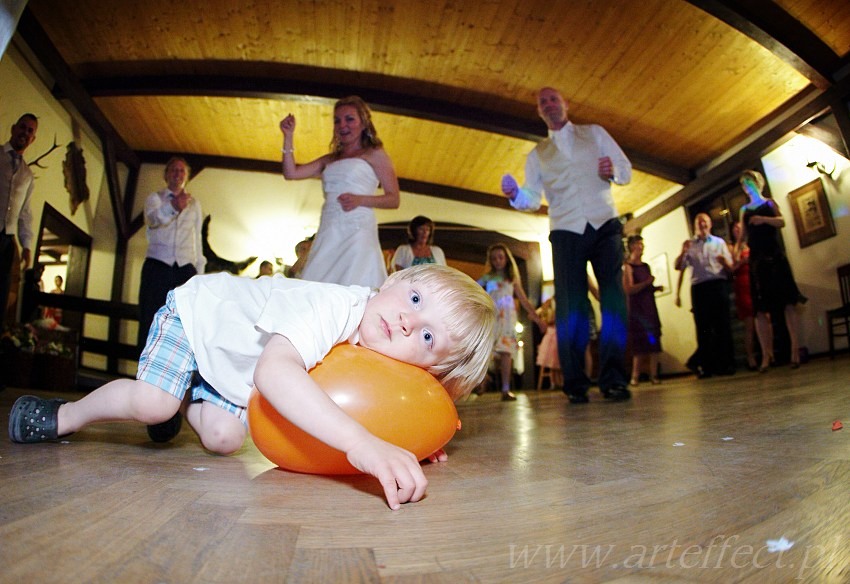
229, 319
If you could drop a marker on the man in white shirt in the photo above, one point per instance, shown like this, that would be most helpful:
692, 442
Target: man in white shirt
175, 254
575, 166
711, 266
16, 185
173, 219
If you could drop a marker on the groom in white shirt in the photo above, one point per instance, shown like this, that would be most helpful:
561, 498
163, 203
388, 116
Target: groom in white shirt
575, 166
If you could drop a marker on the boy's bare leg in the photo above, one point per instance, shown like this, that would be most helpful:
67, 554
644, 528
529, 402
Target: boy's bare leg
119, 400
220, 431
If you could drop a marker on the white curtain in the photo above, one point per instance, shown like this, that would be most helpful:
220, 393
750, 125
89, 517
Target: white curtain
10, 13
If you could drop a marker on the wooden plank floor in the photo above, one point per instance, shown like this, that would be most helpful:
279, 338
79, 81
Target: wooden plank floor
686, 483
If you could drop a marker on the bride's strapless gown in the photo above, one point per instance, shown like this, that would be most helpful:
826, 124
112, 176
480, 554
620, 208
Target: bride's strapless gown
346, 249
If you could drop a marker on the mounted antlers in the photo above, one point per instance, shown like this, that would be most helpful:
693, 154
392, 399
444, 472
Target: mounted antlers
52, 148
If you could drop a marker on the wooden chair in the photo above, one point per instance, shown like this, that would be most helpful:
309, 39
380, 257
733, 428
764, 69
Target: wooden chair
545, 373
838, 319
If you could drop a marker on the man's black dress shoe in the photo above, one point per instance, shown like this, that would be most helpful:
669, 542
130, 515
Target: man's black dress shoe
617, 393
165, 431
577, 395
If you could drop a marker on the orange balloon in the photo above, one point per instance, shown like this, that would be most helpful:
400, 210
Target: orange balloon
395, 401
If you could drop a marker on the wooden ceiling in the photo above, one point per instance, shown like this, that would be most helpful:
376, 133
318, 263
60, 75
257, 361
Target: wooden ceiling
678, 84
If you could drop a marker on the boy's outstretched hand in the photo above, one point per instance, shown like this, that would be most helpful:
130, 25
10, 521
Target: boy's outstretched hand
281, 377
397, 470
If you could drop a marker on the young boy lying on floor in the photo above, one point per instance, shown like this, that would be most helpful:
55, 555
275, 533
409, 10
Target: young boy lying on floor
219, 335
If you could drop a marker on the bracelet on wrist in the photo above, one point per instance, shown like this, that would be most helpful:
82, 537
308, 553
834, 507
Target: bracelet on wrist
288, 151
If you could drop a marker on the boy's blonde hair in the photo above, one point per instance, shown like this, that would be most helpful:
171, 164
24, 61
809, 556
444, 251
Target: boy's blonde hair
469, 315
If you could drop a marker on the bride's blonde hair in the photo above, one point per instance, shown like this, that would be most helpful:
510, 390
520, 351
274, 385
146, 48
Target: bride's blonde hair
369, 135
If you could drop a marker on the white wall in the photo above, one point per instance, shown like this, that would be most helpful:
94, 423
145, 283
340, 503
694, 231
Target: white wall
30, 94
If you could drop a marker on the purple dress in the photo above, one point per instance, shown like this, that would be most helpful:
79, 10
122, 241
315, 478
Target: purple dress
644, 323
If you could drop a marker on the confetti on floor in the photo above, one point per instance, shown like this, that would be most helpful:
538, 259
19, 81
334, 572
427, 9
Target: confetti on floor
779, 545
201, 468
678, 443
727, 438
837, 425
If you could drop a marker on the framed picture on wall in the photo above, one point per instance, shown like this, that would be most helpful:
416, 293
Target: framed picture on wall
812, 215
660, 269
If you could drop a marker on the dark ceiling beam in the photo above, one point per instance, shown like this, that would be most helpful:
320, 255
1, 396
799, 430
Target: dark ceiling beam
772, 27
412, 104
286, 87
460, 195
67, 86
726, 167
200, 162
841, 109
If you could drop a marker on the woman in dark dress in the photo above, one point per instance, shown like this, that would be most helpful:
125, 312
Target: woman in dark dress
772, 284
644, 324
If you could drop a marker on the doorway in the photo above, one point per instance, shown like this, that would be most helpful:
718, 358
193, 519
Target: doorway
63, 249
466, 250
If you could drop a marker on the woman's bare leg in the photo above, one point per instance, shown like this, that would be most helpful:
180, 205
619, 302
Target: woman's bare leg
792, 321
765, 334
749, 344
653, 368
635, 369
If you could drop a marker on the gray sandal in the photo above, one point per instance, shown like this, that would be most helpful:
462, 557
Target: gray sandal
33, 419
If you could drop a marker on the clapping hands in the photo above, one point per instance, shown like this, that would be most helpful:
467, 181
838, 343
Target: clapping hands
181, 201
606, 168
509, 186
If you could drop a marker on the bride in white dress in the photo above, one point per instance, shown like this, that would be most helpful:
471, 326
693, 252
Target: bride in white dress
346, 249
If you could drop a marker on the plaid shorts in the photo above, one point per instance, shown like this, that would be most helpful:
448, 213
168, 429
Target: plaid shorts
168, 362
